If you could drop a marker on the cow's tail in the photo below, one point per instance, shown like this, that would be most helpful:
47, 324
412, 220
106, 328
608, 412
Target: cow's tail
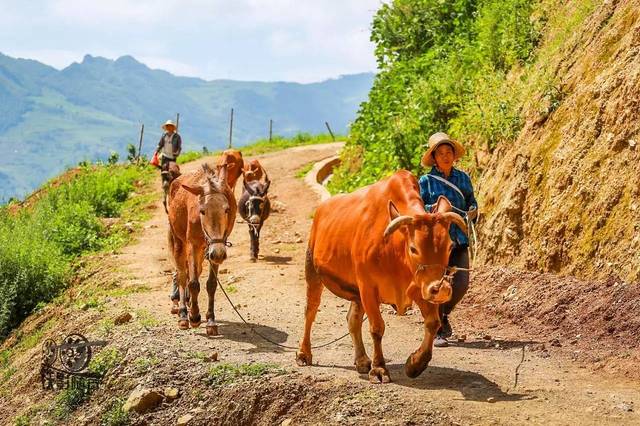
310, 271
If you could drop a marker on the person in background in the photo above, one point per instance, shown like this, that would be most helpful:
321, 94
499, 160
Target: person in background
170, 145
444, 179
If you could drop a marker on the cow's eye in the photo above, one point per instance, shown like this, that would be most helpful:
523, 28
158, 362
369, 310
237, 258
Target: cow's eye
201, 210
226, 210
413, 249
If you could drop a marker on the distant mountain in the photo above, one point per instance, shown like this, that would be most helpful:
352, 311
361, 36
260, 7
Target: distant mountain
53, 119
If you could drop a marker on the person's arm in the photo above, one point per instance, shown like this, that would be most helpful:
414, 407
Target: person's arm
423, 183
470, 200
178, 149
160, 144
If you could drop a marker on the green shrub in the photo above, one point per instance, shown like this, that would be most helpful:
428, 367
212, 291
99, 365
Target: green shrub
444, 67
115, 415
39, 242
106, 360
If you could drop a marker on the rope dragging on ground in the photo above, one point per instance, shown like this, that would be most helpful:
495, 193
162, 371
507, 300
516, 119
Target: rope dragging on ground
517, 373
252, 328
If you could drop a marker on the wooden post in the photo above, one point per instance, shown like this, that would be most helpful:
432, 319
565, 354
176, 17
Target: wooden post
330, 132
140, 144
270, 129
177, 121
231, 130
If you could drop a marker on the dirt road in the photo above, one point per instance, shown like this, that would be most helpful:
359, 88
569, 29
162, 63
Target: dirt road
468, 383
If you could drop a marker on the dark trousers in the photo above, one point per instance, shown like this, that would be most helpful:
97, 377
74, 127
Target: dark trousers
459, 257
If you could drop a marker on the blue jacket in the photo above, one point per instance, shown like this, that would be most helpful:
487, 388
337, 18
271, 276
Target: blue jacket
431, 188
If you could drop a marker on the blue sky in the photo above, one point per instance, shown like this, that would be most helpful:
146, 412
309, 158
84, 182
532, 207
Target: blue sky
267, 40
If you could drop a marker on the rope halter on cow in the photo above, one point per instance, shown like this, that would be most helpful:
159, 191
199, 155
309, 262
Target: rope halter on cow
448, 271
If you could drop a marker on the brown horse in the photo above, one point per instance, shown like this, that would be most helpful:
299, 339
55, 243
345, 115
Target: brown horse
202, 212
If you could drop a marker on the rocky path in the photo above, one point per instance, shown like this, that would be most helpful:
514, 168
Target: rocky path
468, 383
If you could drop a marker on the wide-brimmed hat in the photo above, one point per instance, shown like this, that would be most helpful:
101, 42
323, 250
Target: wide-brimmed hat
435, 141
169, 123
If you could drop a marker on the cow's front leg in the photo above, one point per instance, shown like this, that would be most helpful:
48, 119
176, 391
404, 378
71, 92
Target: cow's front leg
212, 285
419, 360
378, 372
354, 320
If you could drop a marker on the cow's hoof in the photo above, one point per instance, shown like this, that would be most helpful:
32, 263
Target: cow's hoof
212, 330
363, 365
253, 259
183, 324
379, 375
416, 364
303, 359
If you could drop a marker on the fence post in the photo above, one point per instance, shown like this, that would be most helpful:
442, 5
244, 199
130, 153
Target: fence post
330, 132
140, 144
231, 130
270, 129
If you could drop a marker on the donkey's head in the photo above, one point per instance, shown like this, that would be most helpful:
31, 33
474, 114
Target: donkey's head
255, 203
217, 210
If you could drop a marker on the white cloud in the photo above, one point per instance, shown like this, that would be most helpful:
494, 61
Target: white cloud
300, 40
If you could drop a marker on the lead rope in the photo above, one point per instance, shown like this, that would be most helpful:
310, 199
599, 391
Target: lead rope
252, 328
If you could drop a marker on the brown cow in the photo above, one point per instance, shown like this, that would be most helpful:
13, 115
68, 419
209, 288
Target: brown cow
378, 245
202, 212
232, 158
253, 171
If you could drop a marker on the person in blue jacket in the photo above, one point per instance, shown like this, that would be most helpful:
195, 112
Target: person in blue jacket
445, 179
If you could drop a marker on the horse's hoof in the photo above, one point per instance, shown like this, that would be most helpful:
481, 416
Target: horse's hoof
175, 310
212, 330
253, 259
303, 359
183, 324
195, 324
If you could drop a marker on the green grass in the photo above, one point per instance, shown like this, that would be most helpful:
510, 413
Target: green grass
302, 171
263, 146
146, 319
40, 241
225, 373
106, 360
115, 415
145, 364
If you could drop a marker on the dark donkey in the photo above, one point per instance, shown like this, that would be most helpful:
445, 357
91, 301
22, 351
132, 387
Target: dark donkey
254, 208
202, 212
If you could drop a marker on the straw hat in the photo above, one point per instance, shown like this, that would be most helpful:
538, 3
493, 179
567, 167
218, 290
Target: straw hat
435, 141
169, 123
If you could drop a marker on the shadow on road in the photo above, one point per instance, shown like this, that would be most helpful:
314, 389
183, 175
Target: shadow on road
472, 386
278, 260
240, 332
491, 344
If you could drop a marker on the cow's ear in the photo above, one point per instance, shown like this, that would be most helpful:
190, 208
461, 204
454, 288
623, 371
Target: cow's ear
393, 210
194, 189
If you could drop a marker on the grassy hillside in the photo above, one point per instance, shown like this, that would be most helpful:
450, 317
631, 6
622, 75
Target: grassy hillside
53, 119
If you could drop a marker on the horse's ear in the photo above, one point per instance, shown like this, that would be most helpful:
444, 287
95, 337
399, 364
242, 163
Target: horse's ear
194, 189
246, 186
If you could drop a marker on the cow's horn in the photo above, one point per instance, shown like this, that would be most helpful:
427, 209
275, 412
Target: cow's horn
452, 217
397, 223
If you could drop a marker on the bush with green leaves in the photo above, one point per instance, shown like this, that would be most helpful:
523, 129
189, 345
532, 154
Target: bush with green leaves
443, 67
39, 242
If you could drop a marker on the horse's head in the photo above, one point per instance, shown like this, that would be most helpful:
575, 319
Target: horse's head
217, 210
255, 203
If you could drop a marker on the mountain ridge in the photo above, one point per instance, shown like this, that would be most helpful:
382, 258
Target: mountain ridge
53, 119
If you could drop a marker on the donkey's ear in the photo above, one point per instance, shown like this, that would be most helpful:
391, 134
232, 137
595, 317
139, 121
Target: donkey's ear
246, 186
194, 189
266, 187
